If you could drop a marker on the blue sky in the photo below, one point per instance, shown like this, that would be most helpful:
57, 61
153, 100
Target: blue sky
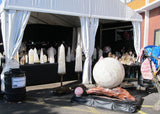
0, 1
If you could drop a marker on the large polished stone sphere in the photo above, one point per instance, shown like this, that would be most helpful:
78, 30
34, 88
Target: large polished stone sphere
108, 72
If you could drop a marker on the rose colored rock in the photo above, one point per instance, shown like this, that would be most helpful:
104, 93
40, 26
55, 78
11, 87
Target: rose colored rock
78, 91
146, 69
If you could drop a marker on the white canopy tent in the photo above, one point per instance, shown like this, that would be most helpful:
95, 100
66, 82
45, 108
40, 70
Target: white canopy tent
15, 14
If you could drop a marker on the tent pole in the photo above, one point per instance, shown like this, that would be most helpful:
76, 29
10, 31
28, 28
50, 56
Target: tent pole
100, 38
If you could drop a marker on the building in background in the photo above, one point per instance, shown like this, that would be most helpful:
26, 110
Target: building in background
126, 1
136, 4
150, 11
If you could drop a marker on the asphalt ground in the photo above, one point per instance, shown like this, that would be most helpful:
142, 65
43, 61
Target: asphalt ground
41, 100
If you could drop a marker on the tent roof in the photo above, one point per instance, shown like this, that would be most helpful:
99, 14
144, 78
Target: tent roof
67, 12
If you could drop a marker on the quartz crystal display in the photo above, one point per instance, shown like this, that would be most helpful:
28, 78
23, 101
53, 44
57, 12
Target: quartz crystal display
36, 58
31, 56
45, 58
78, 64
61, 60
51, 54
26, 58
68, 57
41, 56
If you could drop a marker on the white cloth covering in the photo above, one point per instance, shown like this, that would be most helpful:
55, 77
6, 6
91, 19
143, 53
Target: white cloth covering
13, 23
137, 37
104, 9
88, 31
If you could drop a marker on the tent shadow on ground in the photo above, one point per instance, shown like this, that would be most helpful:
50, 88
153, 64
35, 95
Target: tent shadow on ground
43, 101
142, 92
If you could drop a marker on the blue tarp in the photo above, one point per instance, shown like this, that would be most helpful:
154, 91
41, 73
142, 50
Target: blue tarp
152, 50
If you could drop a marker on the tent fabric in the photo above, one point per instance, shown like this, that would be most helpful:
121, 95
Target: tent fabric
73, 43
13, 24
137, 37
88, 31
67, 13
103, 9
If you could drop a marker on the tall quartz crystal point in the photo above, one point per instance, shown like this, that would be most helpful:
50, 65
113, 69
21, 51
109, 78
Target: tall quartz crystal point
51, 54
26, 58
41, 56
45, 58
68, 57
31, 56
36, 58
78, 64
72, 55
61, 60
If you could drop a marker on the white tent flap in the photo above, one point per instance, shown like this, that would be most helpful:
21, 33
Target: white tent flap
137, 36
13, 24
88, 31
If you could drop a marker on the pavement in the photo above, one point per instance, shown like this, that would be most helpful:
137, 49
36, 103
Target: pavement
41, 100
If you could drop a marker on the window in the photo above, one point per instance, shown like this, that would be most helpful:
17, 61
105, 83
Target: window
157, 37
127, 1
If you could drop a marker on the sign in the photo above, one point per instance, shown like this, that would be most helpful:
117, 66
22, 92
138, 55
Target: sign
18, 82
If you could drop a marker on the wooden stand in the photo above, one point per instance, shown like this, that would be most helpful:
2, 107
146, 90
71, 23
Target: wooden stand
61, 80
79, 77
61, 90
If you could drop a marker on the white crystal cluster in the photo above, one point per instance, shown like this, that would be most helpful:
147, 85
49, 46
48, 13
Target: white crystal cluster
61, 60
78, 62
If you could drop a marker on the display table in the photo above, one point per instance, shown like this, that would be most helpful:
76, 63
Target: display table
46, 73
